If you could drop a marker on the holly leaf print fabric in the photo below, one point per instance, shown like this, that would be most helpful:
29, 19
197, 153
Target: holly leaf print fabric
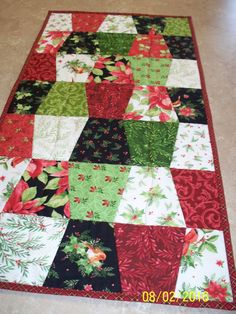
110, 185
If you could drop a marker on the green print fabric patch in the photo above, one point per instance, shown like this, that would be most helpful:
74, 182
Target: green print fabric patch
96, 190
151, 143
65, 99
150, 71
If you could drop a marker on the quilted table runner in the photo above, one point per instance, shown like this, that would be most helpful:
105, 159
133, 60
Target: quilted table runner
109, 177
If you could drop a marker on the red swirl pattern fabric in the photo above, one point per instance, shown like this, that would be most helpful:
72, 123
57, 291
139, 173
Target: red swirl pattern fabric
198, 195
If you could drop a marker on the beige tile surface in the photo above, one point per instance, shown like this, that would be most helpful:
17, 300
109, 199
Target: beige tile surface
215, 26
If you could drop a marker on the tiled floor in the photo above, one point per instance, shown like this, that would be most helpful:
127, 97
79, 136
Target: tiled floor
214, 22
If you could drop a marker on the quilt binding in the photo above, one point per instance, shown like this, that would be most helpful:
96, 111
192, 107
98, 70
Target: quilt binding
121, 296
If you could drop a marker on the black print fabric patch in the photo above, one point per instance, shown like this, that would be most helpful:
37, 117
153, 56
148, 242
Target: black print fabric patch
102, 141
180, 47
86, 259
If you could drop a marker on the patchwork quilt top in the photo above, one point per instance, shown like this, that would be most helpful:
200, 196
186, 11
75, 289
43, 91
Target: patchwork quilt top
109, 177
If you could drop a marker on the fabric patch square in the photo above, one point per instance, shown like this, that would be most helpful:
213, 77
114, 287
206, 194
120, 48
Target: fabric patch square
80, 42
16, 135
177, 27
150, 198
50, 42
59, 22
86, 259
184, 73
95, 190
115, 69
41, 67
55, 137
87, 22
198, 195
29, 96
151, 143
204, 266
180, 47
11, 170
150, 71
150, 103
74, 68
42, 190
32, 242
148, 257
118, 24
193, 148
65, 99
108, 100
188, 104
115, 43
144, 24
150, 46
102, 141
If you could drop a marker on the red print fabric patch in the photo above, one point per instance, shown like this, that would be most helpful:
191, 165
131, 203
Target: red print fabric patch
87, 23
41, 66
16, 135
198, 195
108, 100
150, 46
149, 257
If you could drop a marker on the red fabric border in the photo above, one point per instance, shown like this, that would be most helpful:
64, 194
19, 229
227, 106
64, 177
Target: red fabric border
225, 223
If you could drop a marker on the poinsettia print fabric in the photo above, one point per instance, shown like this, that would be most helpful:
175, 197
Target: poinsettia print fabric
50, 42
11, 170
32, 243
188, 104
42, 190
86, 259
150, 103
192, 148
109, 179
204, 265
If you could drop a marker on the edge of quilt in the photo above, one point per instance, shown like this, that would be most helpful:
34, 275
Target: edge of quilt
226, 228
